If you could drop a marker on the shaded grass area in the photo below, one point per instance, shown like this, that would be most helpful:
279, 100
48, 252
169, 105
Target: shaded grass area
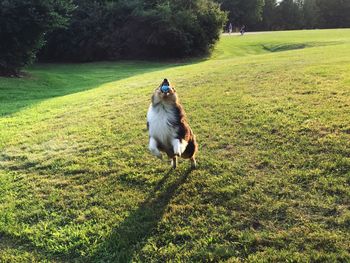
77, 183
128, 238
293, 46
47, 81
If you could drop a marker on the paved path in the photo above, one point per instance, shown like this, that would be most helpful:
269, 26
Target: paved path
247, 33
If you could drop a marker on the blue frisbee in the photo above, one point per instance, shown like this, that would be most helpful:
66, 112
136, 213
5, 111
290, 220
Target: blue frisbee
165, 88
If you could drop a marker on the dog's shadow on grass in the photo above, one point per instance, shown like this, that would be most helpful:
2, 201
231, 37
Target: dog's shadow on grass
130, 236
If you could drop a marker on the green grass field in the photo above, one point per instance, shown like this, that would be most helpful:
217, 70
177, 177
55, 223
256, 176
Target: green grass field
272, 116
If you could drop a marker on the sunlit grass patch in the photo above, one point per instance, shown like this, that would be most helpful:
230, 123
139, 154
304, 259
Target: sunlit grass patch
77, 182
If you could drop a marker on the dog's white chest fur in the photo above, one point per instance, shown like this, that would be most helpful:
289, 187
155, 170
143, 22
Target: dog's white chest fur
159, 119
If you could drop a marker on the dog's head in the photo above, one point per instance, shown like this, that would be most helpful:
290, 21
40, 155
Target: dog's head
165, 93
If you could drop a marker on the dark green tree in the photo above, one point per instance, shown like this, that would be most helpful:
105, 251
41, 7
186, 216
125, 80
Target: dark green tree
243, 12
310, 14
289, 15
268, 16
134, 29
23, 24
334, 13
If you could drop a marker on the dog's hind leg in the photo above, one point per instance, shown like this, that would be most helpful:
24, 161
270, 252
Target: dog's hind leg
174, 162
193, 163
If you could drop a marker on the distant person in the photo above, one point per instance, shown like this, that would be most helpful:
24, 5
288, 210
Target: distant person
230, 28
242, 31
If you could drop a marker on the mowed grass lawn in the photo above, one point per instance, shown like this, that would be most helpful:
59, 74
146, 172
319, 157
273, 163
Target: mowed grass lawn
272, 116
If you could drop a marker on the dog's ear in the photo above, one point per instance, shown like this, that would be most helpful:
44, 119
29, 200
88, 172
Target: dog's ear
165, 82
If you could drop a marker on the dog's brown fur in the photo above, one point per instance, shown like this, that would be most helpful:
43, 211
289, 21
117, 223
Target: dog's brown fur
177, 120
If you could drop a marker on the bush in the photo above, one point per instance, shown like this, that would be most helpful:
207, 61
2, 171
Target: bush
91, 27
23, 24
136, 29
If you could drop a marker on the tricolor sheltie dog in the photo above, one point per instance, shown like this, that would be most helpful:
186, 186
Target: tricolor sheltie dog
168, 128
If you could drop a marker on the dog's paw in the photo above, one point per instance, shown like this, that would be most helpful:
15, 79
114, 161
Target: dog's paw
174, 162
157, 153
193, 163
177, 149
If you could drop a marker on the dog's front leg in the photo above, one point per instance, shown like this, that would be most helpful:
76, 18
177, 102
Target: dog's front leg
153, 147
177, 147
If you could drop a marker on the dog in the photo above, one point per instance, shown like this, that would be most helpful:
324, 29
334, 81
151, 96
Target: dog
168, 128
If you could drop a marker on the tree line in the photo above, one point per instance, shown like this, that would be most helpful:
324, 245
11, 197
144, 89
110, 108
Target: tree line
92, 30
287, 14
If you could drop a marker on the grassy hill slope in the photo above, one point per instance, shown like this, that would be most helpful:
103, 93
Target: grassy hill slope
272, 117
